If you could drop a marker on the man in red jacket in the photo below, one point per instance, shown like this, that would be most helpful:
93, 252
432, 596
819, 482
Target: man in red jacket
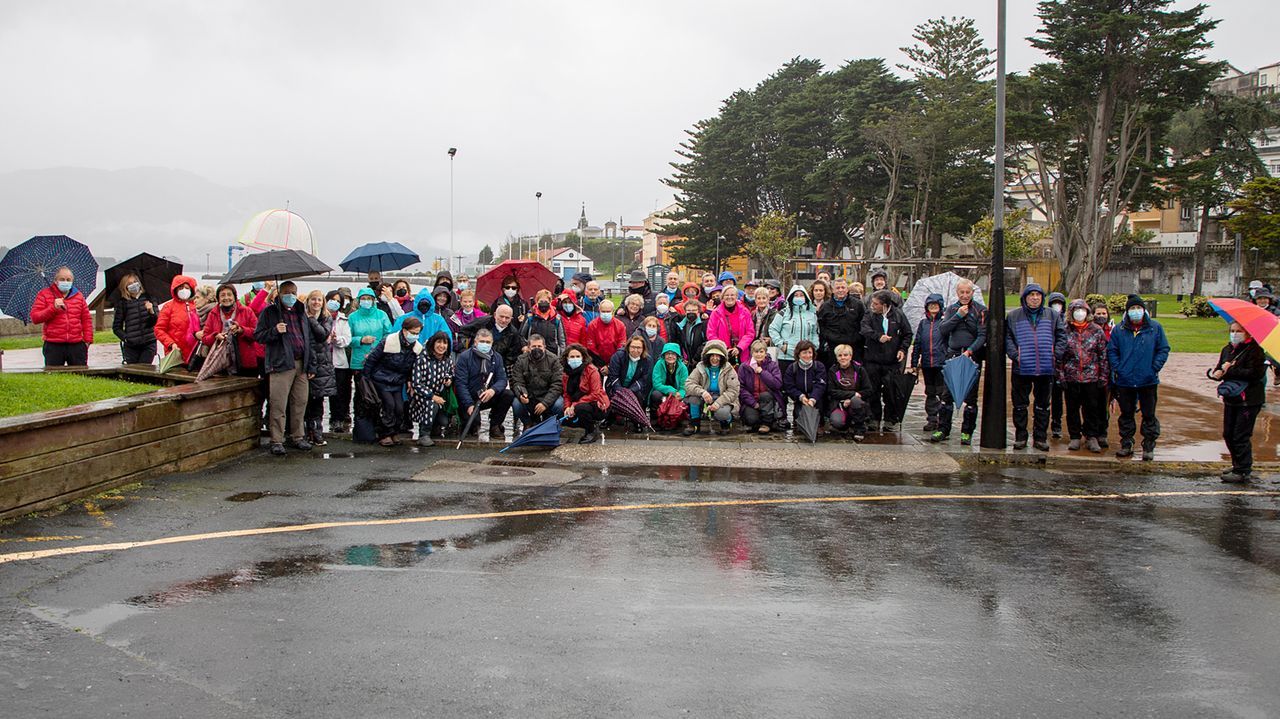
68, 328
605, 335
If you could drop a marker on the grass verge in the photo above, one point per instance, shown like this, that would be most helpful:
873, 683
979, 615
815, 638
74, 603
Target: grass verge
26, 342
26, 392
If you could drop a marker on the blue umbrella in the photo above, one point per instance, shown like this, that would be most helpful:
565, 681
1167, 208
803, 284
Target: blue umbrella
31, 266
379, 257
960, 373
543, 434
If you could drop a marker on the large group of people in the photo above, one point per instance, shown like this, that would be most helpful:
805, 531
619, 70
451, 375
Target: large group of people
707, 356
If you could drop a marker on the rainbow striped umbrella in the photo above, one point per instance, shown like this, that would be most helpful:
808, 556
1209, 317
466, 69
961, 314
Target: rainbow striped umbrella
1259, 323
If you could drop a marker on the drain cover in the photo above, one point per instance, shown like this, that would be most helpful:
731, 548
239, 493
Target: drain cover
501, 472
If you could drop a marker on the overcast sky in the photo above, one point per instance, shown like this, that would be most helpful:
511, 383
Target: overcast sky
358, 102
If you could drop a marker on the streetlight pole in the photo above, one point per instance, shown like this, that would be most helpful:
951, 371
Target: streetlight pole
718, 239
995, 431
538, 230
452, 151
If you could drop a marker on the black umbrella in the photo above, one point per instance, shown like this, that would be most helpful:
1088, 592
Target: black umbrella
275, 265
807, 421
155, 273
901, 384
475, 413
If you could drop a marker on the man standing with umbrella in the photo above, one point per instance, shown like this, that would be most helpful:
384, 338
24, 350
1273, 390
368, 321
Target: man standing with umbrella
964, 329
68, 327
285, 335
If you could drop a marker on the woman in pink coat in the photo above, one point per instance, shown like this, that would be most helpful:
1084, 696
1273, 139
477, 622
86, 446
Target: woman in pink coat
731, 324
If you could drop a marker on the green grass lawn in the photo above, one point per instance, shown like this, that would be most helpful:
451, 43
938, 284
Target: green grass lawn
26, 342
1194, 334
25, 392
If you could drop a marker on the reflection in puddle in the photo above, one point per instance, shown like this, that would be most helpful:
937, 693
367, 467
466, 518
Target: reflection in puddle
251, 496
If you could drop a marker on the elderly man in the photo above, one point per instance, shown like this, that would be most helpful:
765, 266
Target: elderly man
480, 382
708, 282
605, 335
672, 287
591, 297
284, 331
1035, 338
505, 333
68, 328
964, 329
536, 383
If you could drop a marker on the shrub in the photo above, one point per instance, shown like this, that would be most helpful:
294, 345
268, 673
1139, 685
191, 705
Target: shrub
1115, 303
1198, 307
1094, 298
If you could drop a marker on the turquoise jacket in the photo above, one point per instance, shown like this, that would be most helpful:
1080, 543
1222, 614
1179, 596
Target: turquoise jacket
372, 322
793, 324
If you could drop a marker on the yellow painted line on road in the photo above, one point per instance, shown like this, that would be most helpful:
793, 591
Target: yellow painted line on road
49, 538
228, 534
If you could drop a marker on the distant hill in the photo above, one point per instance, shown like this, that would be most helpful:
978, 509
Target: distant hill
173, 212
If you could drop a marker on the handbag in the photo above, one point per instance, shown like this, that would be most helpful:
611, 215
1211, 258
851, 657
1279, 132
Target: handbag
1232, 388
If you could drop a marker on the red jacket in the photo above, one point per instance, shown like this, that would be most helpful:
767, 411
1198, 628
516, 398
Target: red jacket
575, 325
247, 348
66, 326
602, 338
592, 388
178, 321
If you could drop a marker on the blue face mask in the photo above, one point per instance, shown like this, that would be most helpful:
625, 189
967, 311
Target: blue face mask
258, 286
411, 336
64, 286
797, 301
366, 304
288, 300
484, 347
1135, 314
606, 317
333, 305
574, 362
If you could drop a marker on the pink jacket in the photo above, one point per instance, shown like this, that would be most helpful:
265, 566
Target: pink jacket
734, 329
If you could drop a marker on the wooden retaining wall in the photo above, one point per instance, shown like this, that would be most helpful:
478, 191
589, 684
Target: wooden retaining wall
50, 458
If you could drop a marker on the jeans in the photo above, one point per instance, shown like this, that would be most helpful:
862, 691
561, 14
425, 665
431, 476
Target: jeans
1022, 387
1131, 399
524, 412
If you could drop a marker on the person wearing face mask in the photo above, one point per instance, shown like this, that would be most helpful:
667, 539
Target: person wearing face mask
403, 294
68, 327
480, 381
652, 332
1241, 372
228, 319
424, 310
431, 388
571, 317
605, 335
928, 354
368, 325
507, 340
323, 382
511, 297
1034, 339
712, 389
389, 367
886, 335
1058, 303
631, 370
661, 307
582, 393
689, 331
708, 284
444, 278
464, 283
1137, 352
544, 320
672, 287
285, 335
638, 284
179, 320
839, 323
1102, 318
535, 383
1262, 297
760, 390
134, 322
340, 402
1083, 376
731, 324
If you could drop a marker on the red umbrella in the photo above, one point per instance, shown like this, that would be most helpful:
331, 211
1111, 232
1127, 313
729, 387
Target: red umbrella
531, 275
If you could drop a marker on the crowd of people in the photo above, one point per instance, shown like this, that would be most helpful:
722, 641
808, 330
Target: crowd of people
707, 356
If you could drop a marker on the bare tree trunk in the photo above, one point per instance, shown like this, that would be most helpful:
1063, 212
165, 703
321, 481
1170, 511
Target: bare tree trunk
1197, 285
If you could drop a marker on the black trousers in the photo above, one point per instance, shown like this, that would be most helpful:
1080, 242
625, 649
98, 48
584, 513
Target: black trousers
585, 415
66, 354
934, 389
765, 413
880, 401
393, 414
340, 404
1023, 387
969, 418
1131, 399
138, 354
498, 406
782, 371
1086, 408
1056, 406
1237, 432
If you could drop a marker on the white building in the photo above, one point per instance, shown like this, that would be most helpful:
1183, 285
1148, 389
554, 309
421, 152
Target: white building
567, 262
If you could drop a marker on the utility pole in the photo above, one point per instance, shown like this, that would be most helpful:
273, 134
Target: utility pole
995, 430
452, 151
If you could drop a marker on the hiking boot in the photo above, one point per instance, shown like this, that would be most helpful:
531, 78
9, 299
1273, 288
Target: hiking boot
930, 426
425, 441
277, 449
891, 427
1103, 443
1093, 445
1074, 444
1041, 444
938, 436
301, 444
764, 429
690, 429
1126, 450
966, 439
593, 433
1019, 444
1236, 476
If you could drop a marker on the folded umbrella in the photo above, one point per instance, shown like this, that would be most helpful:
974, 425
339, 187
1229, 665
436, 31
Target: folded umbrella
170, 361
624, 403
155, 273
901, 384
275, 265
807, 421
543, 434
218, 361
1259, 323
379, 257
32, 266
960, 373
475, 413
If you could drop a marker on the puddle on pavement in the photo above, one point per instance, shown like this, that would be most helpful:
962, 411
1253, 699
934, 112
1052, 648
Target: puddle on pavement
371, 484
333, 455
776, 476
253, 496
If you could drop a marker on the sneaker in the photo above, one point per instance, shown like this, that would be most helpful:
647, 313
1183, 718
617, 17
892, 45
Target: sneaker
425, 441
689, 430
277, 449
1103, 443
966, 439
930, 426
301, 444
1074, 444
1236, 476
891, 427
1057, 433
1126, 450
1148, 455
1019, 444
590, 436
938, 436
859, 437
1093, 445
1041, 444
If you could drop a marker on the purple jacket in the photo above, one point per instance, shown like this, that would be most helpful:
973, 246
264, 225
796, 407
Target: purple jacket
770, 378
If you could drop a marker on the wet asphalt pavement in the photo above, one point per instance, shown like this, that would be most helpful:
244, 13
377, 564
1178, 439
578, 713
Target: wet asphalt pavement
1161, 606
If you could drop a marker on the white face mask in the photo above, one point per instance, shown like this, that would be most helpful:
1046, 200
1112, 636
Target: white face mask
1079, 315
1236, 338
509, 293
184, 294
135, 288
